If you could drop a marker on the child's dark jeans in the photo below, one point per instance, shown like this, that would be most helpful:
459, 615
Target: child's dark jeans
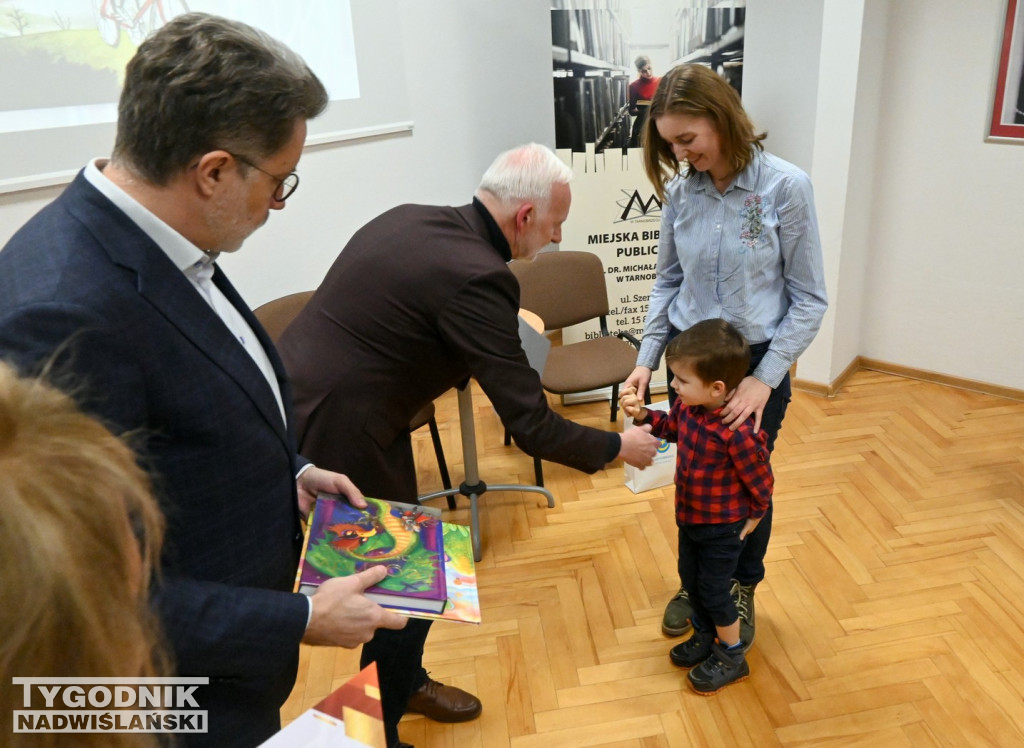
708, 555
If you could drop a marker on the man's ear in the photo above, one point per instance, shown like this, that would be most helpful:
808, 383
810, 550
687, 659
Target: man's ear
210, 171
524, 215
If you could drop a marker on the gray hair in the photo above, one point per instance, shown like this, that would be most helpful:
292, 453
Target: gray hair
525, 173
202, 83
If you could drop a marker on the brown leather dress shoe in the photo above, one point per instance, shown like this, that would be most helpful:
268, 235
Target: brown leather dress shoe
443, 703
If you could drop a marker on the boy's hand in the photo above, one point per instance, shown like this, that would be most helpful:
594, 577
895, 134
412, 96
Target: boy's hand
630, 403
749, 526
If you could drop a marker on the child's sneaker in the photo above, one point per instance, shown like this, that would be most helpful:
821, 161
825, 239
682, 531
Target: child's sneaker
720, 669
694, 650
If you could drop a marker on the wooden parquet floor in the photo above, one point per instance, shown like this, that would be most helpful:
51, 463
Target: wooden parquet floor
891, 614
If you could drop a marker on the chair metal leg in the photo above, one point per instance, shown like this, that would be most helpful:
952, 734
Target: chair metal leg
538, 470
442, 465
615, 401
473, 487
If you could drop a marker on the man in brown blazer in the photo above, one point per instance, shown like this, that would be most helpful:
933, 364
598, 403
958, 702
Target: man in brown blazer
419, 300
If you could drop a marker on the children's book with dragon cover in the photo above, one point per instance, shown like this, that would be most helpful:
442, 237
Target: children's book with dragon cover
460, 572
406, 538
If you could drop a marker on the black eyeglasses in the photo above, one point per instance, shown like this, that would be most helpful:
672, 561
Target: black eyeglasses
285, 187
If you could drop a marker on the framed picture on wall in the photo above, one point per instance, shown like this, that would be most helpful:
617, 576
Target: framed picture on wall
1008, 102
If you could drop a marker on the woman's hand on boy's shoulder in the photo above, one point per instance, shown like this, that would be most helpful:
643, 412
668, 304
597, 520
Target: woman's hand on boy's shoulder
748, 399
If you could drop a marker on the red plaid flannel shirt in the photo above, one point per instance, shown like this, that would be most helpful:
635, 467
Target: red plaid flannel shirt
721, 475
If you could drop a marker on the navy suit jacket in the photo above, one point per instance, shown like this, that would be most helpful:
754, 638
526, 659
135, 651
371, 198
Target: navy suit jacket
82, 285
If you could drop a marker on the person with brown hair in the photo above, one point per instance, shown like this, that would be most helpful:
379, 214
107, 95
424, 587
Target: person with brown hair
640, 92
738, 241
80, 537
117, 283
723, 488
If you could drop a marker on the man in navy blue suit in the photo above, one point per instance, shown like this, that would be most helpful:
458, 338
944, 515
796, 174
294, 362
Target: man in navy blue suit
115, 286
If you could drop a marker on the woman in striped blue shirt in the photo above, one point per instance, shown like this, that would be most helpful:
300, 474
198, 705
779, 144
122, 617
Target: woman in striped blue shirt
739, 241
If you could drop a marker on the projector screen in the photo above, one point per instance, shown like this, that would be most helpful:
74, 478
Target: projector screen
63, 61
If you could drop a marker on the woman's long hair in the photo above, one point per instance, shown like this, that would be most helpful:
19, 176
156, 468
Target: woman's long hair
698, 91
80, 538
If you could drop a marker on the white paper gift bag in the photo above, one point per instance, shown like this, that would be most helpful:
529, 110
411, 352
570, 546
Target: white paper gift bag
662, 471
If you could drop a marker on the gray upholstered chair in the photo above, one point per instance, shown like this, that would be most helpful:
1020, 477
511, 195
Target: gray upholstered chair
276, 315
566, 288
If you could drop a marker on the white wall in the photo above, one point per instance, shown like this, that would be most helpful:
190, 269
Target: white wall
478, 80
928, 256
945, 278
921, 219
832, 163
850, 298
783, 35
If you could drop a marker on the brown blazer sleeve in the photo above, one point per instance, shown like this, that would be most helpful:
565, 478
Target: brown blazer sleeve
481, 321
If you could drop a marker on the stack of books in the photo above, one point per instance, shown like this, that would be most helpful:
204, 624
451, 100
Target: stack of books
430, 563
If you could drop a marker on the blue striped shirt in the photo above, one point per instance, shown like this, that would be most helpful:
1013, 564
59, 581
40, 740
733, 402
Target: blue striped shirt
751, 256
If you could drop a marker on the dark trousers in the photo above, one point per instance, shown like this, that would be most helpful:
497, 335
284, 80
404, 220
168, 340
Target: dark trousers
391, 474
708, 555
638, 126
750, 569
399, 655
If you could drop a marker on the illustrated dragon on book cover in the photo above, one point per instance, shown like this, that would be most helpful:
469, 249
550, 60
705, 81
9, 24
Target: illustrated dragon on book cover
403, 538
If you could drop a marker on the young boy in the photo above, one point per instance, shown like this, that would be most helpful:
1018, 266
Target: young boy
723, 486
